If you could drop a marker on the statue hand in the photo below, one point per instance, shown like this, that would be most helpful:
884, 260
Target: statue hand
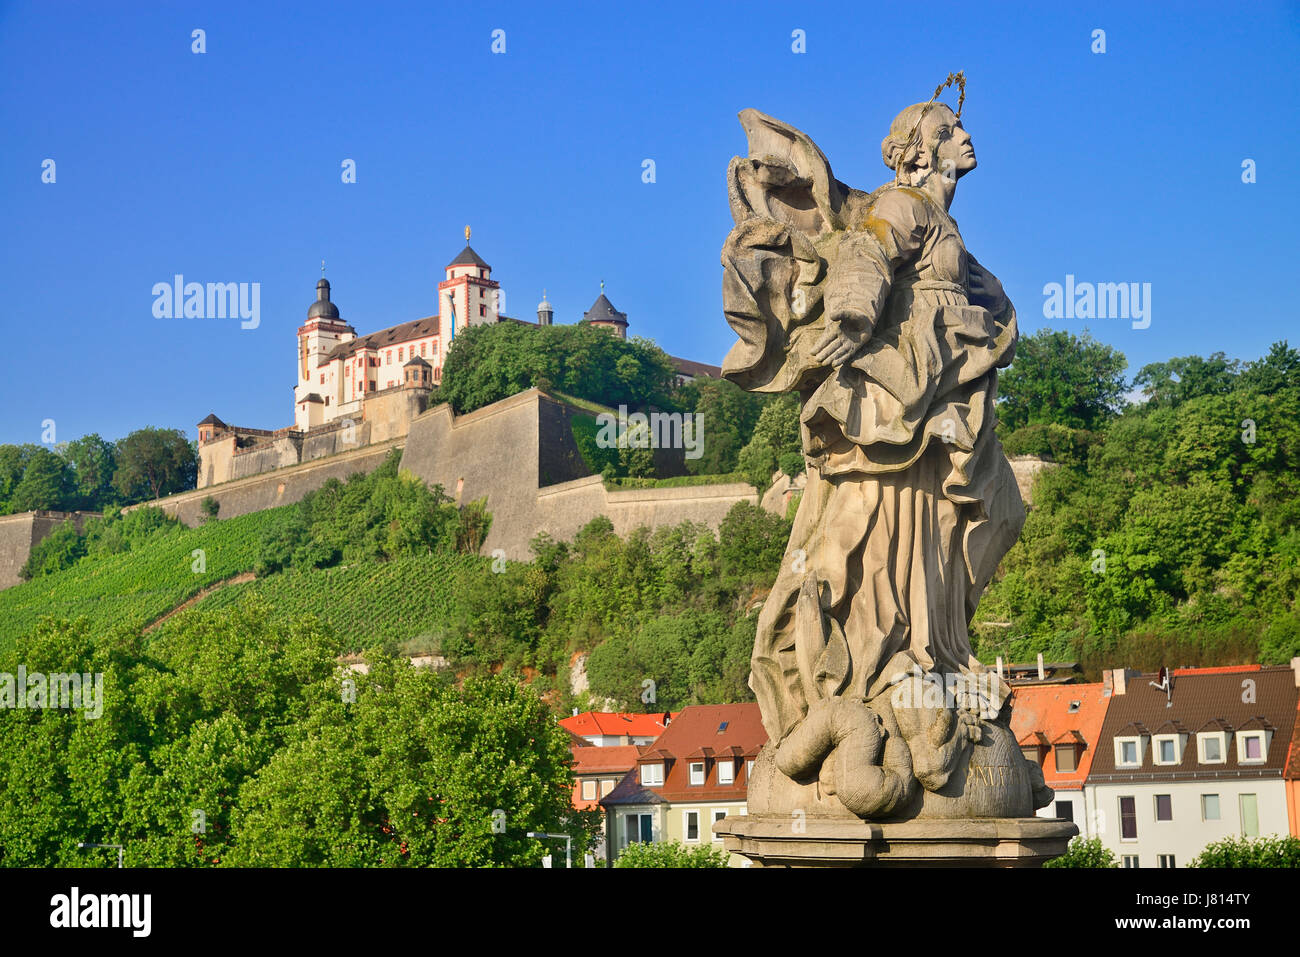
839, 343
985, 289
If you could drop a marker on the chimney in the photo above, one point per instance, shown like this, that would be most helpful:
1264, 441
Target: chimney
1115, 681
1041, 674
999, 667
1295, 669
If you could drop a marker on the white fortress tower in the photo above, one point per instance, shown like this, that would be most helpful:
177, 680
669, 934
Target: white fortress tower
468, 296
318, 394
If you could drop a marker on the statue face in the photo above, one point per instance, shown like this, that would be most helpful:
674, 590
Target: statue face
952, 142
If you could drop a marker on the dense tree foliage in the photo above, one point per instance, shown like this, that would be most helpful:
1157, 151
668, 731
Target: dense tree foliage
1169, 536
488, 363
92, 474
672, 606
372, 517
1058, 377
238, 739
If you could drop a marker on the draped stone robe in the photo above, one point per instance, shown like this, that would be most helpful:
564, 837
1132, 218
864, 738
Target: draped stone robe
910, 503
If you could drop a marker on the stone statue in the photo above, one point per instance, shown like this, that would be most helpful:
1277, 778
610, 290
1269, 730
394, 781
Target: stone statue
871, 309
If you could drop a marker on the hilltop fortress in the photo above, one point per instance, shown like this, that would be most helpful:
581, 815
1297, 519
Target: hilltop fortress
354, 391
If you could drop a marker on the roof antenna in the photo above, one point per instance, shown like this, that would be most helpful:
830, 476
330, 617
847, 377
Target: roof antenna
1166, 685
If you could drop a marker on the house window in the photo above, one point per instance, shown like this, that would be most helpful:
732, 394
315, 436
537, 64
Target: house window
1065, 758
1065, 810
1249, 805
482, 310
1164, 807
423, 345
1032, 754
718, 814
589, 790
1126, 752
1166, 751
638, 827
726, 772
1129, 860
697, 773
652, 774
691, 826
1211, 748
322, 378
606, 786
1128, 819
1209, 807
1165, 860
1250, 747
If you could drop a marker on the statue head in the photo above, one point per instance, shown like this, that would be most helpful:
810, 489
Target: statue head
925, 139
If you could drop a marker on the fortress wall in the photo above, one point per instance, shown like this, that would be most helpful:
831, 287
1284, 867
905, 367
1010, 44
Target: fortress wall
1026, 469
19, 533
389, 414
519, 454
344, 439
490, 453
280, 487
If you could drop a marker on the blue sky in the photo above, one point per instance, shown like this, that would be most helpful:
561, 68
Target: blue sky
225, 166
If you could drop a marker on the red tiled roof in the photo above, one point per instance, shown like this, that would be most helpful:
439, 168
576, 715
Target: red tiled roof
616, 723
1203, 697
698, 729
1040, 714
592, 760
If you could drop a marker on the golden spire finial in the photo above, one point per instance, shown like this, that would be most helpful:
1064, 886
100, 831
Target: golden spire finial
602, 287
467, 235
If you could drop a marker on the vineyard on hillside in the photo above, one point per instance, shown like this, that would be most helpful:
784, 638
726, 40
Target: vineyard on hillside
136, 587
397, 604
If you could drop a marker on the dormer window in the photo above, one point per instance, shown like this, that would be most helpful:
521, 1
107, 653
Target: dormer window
1128, 752
1167, 749
652, 775
726, 771
1212, 746
1252, 747
1067, 758
697, 774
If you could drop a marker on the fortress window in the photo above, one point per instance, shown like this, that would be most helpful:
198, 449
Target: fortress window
399, 355
482, 310
423, 345
322, 378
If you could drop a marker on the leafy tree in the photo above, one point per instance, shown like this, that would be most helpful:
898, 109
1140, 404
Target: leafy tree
729, 415
59, 550
13, 461
775, 443
487, 363
93, 462
671, 854
752, 541
154, 462
209, 507
1061, 378
414, 773
1274, 851
1278, 370
1186, 377
45, 483
1089, 852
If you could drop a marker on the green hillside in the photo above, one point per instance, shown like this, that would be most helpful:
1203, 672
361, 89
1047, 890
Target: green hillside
136, 587
396, 604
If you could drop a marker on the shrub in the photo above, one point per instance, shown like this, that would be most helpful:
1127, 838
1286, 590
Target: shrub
1245, 852
671, 854
1082, 852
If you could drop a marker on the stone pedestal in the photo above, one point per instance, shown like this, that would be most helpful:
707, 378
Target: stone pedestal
792, 841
